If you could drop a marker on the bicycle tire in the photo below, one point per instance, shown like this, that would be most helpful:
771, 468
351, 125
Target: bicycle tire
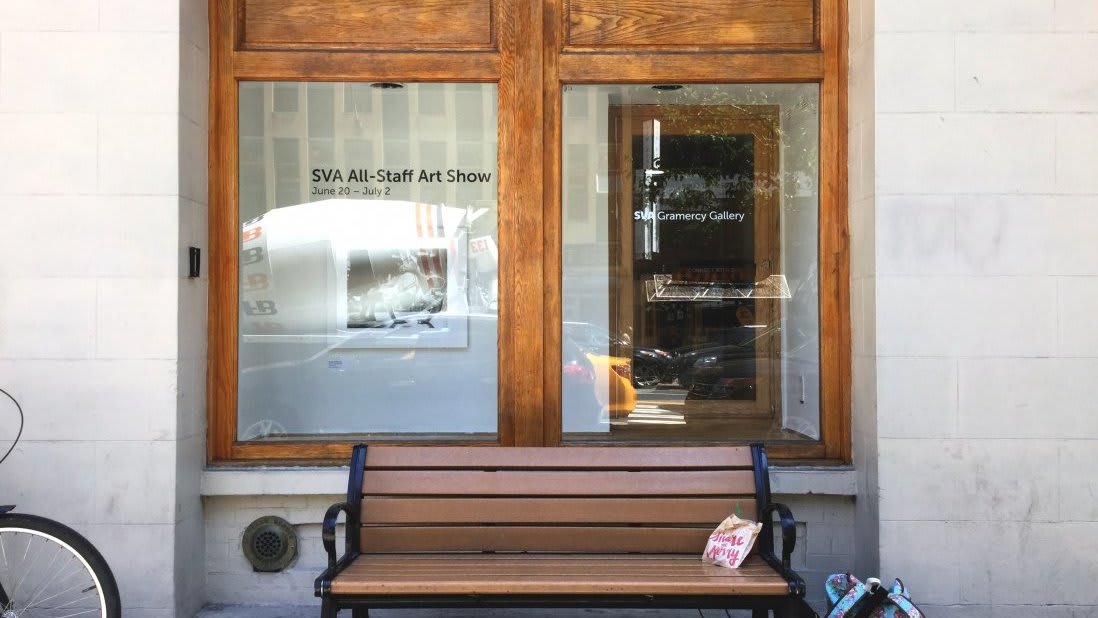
37, 553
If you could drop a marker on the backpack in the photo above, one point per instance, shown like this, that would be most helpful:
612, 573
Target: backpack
847, 597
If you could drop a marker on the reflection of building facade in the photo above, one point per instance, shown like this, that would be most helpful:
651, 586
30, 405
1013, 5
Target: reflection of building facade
971, 453
290, 129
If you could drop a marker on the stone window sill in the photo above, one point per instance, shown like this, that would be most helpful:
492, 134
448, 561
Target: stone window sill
332, 481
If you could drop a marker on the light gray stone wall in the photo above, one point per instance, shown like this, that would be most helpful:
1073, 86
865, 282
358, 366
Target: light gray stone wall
863, 272
194, 78
986, 278
97, 332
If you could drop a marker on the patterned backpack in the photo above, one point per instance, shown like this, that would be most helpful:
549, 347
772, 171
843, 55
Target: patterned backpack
849, 598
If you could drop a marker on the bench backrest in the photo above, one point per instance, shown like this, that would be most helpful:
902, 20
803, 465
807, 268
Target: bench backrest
581, 500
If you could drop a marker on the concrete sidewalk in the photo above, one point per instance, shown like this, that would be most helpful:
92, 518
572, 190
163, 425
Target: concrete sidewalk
310, 611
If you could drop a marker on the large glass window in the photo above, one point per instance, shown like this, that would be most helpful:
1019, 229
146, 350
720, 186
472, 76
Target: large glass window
368, 261
512, 229
690, 302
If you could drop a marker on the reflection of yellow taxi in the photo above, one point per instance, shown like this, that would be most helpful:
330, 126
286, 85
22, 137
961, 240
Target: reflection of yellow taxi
613, 374
617, 372
613, 384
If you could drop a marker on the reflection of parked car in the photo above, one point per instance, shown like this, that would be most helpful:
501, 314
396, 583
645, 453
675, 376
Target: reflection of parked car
724, 367
649, 365
720, 372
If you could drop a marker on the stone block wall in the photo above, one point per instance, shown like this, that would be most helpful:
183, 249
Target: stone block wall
986, 123
92, 288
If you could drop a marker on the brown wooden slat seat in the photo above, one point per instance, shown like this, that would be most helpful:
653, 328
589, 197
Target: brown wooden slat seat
529, 527
594, 575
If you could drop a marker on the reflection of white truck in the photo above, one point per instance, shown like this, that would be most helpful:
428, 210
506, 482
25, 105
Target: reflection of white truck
484, 271
328, 267
362, 316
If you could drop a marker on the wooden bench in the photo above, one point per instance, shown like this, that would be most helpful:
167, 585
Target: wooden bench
554, 527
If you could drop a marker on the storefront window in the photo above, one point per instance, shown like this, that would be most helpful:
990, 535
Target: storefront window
690, 302
368, 261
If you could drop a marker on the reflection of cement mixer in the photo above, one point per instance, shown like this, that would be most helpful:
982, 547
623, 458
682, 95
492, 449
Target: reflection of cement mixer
333, 266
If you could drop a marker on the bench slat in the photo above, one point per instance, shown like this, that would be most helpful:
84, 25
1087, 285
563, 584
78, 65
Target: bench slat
588, 539
382, 575
416, 565
453, 457
562, 510
542, 483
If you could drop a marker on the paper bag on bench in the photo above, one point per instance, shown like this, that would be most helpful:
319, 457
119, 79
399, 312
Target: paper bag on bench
731, 542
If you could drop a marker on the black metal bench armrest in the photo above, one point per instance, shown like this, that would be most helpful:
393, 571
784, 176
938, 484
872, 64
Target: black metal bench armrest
328, 536
328, 532
789, 541
789, 529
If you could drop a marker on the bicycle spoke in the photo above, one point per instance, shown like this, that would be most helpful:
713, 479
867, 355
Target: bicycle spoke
45, 584
4, 555
26, 570
80, 613
76, 600
53, 580
82, 586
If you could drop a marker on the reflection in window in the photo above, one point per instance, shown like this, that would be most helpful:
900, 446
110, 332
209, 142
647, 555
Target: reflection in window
698, 271
368, 264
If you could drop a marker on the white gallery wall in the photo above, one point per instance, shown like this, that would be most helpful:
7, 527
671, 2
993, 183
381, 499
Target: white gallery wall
986, 216
102, 186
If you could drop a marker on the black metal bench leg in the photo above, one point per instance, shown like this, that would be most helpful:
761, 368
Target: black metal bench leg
327, 608
360, 612
760, 613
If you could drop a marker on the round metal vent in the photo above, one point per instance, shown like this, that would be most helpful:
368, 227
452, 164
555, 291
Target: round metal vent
270, 543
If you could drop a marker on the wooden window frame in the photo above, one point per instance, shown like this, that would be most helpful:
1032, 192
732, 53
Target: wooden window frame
527, 56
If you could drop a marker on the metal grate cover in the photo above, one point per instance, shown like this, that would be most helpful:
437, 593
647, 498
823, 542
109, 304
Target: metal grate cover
270, 544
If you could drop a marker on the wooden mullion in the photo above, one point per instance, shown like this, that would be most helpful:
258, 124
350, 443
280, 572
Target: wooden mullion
367, 66
521, 226
552, 246
637, 68
221, 380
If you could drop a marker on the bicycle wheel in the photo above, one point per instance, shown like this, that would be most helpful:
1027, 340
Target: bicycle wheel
47, 569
